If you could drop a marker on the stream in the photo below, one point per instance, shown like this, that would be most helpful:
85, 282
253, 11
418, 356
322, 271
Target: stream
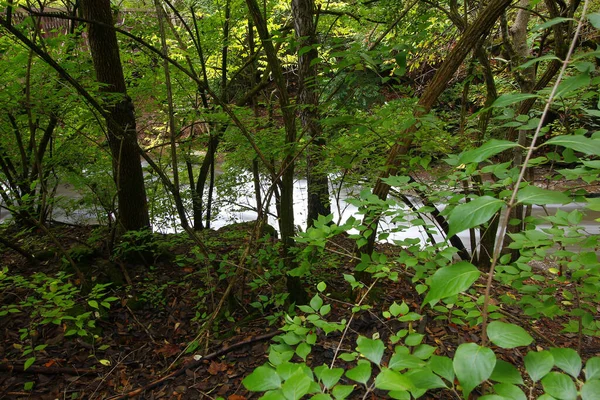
244, 206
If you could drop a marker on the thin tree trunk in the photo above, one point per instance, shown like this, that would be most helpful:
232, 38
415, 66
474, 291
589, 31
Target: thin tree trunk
286, 207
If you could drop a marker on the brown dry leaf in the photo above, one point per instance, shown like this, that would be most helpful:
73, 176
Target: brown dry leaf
236, 397
216, 367
168, 350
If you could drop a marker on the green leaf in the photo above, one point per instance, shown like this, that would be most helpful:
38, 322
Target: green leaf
93, 304
425, 379
578, 143
538, 364
592, 367
361, 373
508, 336
303, 350
594, 20
401, 309
262, 379
485, 151
473, 213
572, 83
414, 339
451, 280
321, 286
473, 364
591, 390
551, 22
329, 377
321, 396
348, 357
505, 372
568, 360
509, 391
443, 367
402, 360
512, 98
296, 386
316, 303
392, 380
560, 386
340, 392
530, 195
28, 363
272, 395
370, 349
28, 386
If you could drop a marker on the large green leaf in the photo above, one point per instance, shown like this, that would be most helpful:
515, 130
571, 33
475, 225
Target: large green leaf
451, 280
530, 195
474, 213
591, 390
443, 367
392, 380
592, 368
296, 386
594, 20
538, 364
512, 98
425, 379
505, 372
340, 392
560, 386
508, 336
473, 364
401, 361
329, 377
485, 151
262, 379
572, 83
578, 143
509, 391
568, 360
371, 349
361, 373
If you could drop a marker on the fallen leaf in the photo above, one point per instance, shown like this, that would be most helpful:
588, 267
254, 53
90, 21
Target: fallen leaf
216, 367
236, 397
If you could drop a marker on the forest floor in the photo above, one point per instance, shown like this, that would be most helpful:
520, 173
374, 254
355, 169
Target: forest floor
140, 346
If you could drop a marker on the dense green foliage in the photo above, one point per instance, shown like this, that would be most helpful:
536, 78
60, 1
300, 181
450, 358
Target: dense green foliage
415, 145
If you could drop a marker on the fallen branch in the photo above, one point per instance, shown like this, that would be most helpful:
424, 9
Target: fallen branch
38, 369
193, 364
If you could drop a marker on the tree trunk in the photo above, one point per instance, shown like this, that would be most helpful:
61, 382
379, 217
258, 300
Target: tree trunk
122, 135
480, 27
286, 207
308, 101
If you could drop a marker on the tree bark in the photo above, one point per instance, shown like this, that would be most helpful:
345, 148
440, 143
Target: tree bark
308, 101
121, 127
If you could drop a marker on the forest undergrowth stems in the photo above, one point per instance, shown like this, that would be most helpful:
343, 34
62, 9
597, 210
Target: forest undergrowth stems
339, 346
512, 202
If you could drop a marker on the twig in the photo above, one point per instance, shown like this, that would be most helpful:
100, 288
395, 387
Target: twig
194, 364
140, 324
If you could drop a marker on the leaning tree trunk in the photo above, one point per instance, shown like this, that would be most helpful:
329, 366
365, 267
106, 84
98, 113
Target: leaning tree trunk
480, 27
122, 135
308, 100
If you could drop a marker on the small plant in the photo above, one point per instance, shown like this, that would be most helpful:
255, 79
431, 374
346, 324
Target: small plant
53, 301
